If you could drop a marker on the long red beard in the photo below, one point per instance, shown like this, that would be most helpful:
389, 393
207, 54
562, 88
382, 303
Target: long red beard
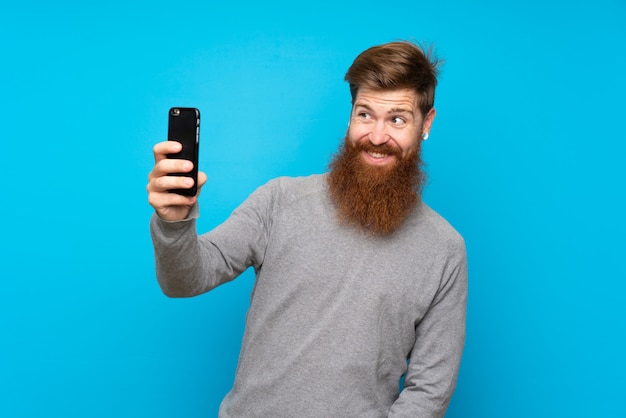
378, 199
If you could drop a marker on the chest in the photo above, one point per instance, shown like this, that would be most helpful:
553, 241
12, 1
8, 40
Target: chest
314, 267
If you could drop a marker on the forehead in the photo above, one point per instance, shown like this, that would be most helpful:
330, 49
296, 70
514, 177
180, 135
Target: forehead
405, 99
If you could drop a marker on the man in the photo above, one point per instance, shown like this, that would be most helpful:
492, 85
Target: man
358, 282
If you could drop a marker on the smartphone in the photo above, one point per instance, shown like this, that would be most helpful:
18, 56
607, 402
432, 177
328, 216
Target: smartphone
184, 127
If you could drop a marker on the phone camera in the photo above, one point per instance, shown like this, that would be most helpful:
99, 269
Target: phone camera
175, 112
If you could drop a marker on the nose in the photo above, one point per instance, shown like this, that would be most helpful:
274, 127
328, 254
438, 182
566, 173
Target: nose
378, 135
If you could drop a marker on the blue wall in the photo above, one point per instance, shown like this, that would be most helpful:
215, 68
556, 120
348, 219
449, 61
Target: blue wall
525, 159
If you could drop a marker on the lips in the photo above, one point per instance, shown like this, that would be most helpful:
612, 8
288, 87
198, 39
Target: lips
376, 155
382, 153
377, 158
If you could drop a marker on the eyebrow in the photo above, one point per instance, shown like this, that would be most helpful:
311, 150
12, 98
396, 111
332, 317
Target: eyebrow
400, 110
392, 110
363, 105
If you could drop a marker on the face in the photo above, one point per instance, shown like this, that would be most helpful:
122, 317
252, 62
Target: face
387, 124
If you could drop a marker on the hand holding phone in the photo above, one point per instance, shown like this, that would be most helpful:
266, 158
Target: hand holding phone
184, 127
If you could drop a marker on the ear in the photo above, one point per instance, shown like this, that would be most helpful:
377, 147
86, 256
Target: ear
428, 120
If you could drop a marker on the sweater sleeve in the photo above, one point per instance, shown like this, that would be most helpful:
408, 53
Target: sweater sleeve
188, 264
436, 355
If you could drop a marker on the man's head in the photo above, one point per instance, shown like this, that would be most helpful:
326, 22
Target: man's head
396, 65
376, 178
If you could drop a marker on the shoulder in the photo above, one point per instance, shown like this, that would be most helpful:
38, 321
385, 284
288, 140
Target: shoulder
285, 193
290, 189
313, 182
436, 222
434, 228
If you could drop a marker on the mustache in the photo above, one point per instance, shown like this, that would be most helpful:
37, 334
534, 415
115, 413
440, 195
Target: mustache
381, 148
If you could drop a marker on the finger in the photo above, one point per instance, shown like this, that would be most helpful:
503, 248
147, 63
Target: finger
166, 147
202, 178
170, 166
162, 184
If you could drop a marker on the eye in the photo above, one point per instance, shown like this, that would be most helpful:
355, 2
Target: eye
364, 116
398, 121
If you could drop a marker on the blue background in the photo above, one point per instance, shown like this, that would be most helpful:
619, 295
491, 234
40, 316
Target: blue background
525, 159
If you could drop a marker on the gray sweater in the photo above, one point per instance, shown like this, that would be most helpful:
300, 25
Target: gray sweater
337, 317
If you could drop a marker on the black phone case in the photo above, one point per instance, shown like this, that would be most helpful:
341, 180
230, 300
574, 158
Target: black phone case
184, 127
